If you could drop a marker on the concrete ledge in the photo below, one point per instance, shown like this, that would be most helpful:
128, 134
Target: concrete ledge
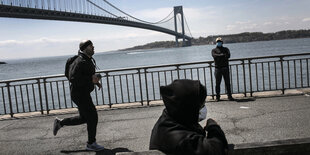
279, 147
283, 147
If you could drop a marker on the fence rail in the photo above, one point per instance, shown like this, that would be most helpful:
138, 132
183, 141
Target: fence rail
141, 84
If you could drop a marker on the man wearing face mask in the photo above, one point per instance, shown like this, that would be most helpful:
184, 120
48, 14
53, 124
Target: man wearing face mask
83, 79
221, 55
177, 131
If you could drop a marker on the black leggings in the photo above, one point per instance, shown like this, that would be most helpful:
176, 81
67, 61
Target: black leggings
88, 114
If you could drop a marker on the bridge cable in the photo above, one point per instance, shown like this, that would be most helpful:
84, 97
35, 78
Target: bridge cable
137, 18
187, 26
101, 8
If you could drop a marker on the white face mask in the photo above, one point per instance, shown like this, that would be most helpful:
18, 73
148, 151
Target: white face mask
202, 113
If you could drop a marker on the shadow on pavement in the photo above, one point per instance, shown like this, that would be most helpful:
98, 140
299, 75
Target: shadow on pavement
103, 152
245, 100
74, 151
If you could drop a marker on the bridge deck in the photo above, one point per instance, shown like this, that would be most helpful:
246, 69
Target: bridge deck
34, 13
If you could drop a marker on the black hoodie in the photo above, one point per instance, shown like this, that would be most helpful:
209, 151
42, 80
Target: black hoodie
177, 131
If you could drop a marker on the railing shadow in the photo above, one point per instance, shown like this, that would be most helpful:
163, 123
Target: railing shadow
103, 152
245, 100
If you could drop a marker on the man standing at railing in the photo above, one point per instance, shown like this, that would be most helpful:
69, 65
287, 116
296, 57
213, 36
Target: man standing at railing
81, 74
221, 55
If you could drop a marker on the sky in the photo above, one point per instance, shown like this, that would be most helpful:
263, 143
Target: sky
29, 38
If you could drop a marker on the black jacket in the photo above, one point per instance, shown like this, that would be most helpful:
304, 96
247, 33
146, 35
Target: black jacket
81, 71
177, 131
221, 56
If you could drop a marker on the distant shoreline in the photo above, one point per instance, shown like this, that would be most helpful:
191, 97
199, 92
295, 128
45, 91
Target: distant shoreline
231, 38
1, 62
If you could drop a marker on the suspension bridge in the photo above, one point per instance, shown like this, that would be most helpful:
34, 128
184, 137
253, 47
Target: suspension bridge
96, 11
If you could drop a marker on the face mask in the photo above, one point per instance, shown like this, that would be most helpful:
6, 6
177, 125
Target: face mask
219, 44
202, 113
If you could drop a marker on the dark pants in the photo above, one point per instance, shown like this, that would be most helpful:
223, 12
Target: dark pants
219, 73
88, 114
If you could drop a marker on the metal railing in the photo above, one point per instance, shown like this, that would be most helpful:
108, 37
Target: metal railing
141, 84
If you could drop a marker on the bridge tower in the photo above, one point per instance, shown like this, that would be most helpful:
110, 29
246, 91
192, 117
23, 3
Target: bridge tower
179, 10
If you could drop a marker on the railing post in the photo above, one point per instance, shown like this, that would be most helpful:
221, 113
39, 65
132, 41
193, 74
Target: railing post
308, 81
40, 96
3, 98
108, 87
140, 84
147, 92
301, 77
282, 74
250, 75
178, 71
101, 91
10, 100
244, 82
211, 75
46, 98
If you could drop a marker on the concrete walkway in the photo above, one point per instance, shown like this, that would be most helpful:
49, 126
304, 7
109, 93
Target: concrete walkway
128, 129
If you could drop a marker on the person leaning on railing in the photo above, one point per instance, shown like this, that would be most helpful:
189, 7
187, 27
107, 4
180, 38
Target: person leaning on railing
221, 55
177, 131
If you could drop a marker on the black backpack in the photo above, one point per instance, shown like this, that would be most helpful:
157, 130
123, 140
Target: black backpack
68, 63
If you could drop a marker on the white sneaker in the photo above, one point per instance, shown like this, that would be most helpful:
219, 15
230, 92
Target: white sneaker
94, 147
57, 126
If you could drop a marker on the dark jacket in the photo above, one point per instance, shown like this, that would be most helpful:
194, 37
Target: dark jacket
177, 131
221, 56
81, 71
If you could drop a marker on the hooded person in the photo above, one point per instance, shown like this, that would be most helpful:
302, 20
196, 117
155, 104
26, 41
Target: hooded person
177, 131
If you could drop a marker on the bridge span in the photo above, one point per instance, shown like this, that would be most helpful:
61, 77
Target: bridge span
92, 11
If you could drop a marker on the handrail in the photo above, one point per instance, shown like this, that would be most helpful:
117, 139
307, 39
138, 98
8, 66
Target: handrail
155, 66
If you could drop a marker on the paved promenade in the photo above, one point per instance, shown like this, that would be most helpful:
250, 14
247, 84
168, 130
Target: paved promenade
253, 119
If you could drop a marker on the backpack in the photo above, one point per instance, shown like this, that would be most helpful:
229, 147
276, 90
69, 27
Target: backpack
68, 63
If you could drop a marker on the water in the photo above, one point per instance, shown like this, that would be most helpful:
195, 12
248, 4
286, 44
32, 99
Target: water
24, 68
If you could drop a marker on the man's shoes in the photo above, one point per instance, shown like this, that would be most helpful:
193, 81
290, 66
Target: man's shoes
94, 147
217, 100
231, 98
57, 126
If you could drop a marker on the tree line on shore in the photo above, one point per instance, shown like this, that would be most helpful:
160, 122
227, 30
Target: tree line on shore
231, 38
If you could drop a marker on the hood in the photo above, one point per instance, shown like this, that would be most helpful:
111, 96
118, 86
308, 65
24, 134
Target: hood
183, 100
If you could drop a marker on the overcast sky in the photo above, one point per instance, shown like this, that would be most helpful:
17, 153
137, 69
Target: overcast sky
25, 38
